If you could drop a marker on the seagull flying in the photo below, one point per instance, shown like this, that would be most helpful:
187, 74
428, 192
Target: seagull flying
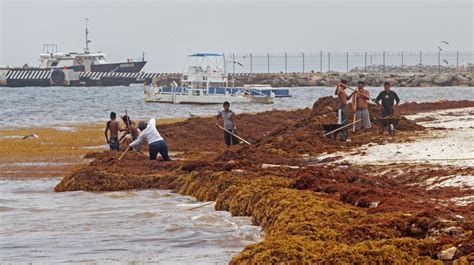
445, 42
235, 62
445, 61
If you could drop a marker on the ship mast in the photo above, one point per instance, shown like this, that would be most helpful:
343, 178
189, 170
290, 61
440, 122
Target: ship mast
86, 50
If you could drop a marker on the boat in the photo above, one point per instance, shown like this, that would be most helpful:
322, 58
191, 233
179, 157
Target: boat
85, 61
279, 92
73, 69
205, 81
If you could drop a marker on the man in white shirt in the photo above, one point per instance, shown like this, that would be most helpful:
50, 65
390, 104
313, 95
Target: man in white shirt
156, 143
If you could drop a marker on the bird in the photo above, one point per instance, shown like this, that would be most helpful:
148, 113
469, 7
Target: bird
445, 61
235, 62
445, 42
30, 136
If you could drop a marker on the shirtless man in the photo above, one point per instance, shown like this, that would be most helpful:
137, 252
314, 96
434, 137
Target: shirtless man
112, 126
342, 110
130, 128
360, 103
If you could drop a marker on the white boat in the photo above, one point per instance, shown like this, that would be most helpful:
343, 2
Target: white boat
85, 61
280, 92
205, 82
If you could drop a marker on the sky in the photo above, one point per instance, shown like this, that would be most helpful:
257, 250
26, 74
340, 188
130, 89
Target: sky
167, 31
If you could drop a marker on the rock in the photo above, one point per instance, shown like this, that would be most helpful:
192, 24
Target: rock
462, 80
447, 254
299, 81
392, 81
459, 77
429, 78
443, 79
416, 81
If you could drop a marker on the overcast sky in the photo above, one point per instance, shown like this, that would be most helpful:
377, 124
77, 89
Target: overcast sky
169, 30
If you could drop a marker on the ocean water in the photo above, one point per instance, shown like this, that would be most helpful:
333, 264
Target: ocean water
128, 227
62, 106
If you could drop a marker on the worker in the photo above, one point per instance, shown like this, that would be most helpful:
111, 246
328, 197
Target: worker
228, 116
342, 110
156, 143
388, 98
130, 128
360, 103
113, 126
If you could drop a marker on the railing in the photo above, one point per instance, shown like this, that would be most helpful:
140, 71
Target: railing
442, 61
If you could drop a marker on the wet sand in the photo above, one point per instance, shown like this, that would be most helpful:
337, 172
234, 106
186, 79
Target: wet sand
56, 151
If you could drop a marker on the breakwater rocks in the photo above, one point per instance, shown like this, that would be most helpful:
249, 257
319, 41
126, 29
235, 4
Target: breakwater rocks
371, 79
400, 79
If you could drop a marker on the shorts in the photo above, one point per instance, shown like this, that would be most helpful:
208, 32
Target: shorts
114, 144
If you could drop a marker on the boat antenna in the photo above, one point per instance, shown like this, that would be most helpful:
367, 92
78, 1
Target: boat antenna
86, 50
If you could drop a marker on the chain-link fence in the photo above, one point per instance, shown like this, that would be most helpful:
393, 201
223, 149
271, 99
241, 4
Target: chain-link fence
350, 62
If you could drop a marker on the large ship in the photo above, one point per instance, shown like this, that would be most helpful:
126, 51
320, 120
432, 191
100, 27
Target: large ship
73, 68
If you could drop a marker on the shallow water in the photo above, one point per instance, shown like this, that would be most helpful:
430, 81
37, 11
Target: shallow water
40, 226
60, 106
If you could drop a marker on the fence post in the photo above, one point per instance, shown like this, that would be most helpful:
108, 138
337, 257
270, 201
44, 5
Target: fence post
303, 61
225, 63
402, 61
268, 62
286, 64
347, 62
383, 67
233, 63
251, 64
439, 61
457, 60
321, 61
365, 62
421, 60
329, 62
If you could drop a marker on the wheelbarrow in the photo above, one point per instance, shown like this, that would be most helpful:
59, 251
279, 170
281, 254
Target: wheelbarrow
331, 127
391, 123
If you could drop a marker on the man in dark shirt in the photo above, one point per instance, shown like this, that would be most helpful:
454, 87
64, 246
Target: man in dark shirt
388, 98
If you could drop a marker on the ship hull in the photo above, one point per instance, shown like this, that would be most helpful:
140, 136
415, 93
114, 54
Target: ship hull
127, 67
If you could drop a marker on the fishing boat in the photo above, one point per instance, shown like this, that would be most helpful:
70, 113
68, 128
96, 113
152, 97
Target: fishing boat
205, 81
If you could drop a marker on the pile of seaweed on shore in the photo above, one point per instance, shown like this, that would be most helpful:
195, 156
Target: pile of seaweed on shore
311, 213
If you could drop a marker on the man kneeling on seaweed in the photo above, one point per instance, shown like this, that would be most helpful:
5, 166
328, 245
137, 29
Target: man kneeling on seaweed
112, 126
229, 125
388, 98
156, 143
